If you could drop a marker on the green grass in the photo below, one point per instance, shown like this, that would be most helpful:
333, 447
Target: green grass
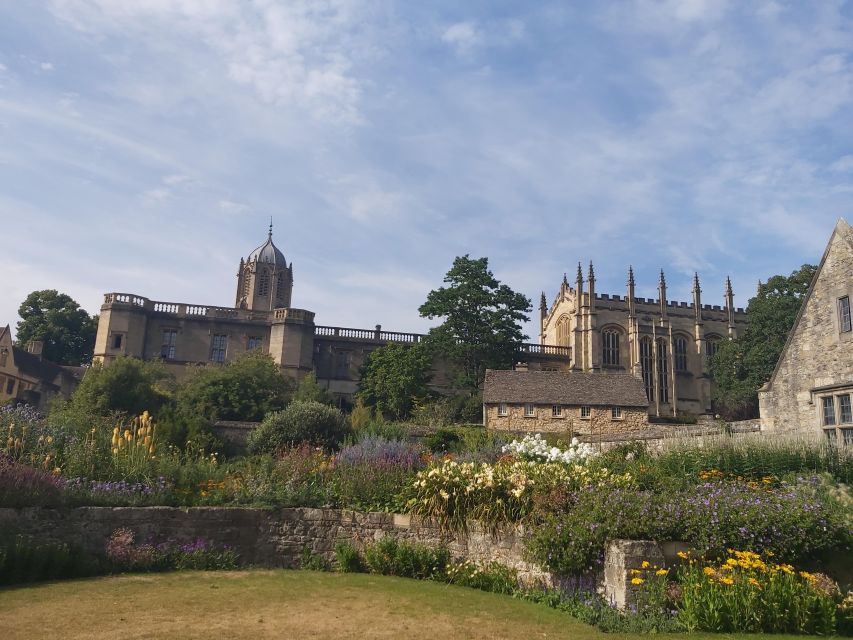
278, 604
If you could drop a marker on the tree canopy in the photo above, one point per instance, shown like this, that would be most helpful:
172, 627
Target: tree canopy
741, 366
127, 385
482, 320
67, 331
246, 389
393, 378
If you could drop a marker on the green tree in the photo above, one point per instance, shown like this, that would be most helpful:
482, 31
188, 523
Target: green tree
482, 320
246, 389
312, 422
126, 385
740, 367
393, 378
67, 331
309, 391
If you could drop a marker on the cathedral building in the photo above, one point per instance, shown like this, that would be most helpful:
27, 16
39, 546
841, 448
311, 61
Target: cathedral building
665, 343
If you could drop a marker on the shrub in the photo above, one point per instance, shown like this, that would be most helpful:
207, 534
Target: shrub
348, 558
360, 416
24, 486
493, 576
308, 422
442, 441
390, 557
126, 554
24, 559
311, 561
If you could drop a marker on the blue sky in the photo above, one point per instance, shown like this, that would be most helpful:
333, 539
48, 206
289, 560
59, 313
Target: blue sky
144, 145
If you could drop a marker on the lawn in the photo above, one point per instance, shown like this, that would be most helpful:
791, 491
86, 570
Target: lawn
277, 604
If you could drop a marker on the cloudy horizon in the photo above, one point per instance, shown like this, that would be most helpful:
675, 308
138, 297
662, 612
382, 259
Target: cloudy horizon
145, 145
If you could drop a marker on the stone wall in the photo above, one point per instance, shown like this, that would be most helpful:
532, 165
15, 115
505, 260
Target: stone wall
268, 538
543, 421
278, 538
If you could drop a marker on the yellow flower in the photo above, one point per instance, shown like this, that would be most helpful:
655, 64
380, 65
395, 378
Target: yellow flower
645, 564
682, 555
635, 572
661, 572
637, 581
727, 581
708, 571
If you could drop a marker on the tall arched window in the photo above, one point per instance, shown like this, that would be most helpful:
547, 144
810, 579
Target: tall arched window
680, 351
264, 283
610, 346
711, 345
279, 287
247, 282
647, 366
563, 332
663, 371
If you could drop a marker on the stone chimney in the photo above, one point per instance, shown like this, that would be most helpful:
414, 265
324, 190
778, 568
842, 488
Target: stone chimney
35, 347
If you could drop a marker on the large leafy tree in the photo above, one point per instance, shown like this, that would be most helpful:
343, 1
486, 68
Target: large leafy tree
740, 367
246, 389
393, 378
68, 332
482, 320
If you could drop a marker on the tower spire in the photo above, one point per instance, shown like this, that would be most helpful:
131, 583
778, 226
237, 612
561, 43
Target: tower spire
697, 298
269, 236
631, 308
662, 295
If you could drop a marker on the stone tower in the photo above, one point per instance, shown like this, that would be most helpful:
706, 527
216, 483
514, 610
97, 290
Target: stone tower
264, 279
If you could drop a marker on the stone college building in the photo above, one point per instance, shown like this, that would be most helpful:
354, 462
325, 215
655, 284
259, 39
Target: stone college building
663, 342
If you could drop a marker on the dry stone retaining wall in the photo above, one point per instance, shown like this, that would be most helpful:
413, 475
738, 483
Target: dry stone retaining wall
278, 537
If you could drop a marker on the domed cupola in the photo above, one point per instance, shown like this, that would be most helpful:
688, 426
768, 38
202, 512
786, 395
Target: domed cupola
264, 280
268, 252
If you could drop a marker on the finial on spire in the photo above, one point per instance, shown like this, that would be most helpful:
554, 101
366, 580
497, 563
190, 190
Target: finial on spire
591, 271
630, 275
269, 237
696, 281
565, 280
580, 273
728, 286
542, 303
662, 279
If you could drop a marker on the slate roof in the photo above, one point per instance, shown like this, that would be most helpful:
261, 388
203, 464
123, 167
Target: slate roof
556, 387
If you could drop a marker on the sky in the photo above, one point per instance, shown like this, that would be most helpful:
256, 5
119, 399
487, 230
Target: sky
146, 144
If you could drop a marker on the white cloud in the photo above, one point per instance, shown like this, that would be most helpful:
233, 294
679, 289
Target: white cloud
463, 36
233, 208
298, 54
843, 165
46, 66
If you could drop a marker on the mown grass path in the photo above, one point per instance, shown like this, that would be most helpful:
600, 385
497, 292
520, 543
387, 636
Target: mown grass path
276, 604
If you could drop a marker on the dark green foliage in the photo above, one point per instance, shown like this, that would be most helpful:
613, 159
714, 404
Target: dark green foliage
308, 422
23, 559
310, 561
740, 367
68, 332
127, 385
442, 441
394, 378
390, 557
482, 319
349, 560
309, 391
245, 389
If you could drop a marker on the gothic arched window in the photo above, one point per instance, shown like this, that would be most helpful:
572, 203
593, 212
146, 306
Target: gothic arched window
247, 282
711, 346
563, 332
264, 283
647, 366
610, 346
279, 287
679, 347
663, 371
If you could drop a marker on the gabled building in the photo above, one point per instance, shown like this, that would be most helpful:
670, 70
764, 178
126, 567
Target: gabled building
26, 377
559, 401
811, 389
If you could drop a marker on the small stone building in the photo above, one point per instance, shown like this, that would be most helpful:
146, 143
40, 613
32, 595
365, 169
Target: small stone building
811, 389
556, 401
